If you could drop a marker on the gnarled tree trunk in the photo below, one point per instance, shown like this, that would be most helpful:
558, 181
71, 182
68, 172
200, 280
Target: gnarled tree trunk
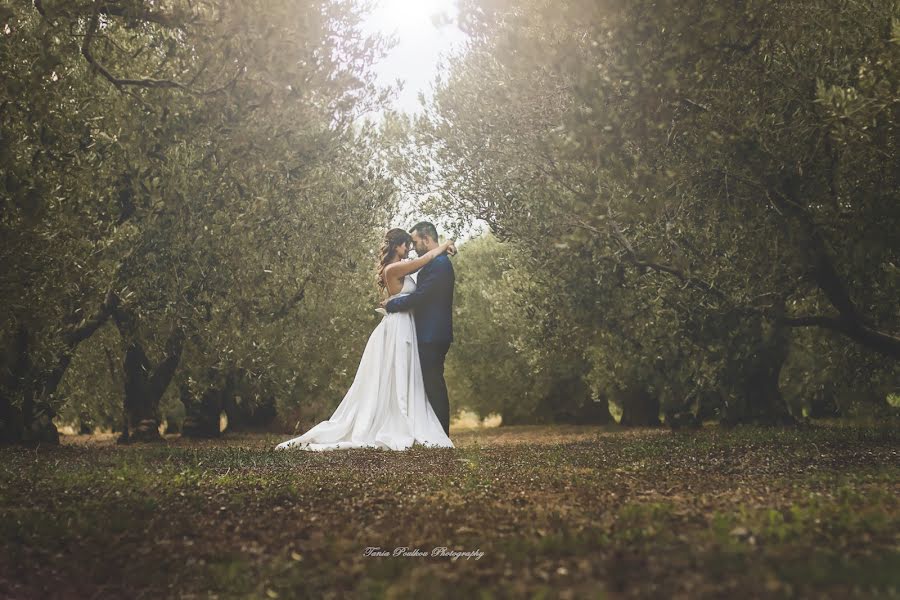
26, 410
145, 385
757, 397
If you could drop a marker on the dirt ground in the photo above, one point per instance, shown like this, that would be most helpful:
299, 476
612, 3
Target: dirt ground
527, 511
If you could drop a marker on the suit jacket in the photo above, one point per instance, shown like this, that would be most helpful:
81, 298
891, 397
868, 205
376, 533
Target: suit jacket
432, 301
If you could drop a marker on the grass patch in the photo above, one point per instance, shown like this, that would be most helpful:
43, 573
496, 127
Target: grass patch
578, 510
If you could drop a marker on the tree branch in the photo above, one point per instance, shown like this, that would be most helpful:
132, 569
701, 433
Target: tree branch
141, 14
298, 297
163, 372
145, 82
87, 328
39, 6
635, 260
850, 321
881, 342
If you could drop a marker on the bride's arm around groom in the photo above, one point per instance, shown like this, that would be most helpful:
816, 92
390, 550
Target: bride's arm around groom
402, 268
434, 281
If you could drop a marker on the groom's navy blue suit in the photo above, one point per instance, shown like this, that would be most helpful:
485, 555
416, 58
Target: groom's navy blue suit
433, 304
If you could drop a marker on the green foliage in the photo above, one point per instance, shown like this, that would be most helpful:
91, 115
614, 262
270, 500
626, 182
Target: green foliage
698, 191
208, 164
93, 384
510, 356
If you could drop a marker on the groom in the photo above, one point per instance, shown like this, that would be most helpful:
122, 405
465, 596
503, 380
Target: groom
433, 304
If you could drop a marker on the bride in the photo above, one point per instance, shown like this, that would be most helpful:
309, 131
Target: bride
386, 406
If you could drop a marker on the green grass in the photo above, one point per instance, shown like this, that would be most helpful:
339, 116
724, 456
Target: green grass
557, 511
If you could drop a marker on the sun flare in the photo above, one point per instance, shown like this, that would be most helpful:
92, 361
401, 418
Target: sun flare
424, 31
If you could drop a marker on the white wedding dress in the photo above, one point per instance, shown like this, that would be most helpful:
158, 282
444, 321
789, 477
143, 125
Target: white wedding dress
386, 406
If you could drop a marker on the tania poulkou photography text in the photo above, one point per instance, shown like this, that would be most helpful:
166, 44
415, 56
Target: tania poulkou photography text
415, 552
449, 299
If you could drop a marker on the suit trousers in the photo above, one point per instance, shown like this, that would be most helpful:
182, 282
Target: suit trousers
431, 357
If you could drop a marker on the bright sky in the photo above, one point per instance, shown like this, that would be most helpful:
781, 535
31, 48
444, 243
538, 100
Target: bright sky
425, 32
420, 44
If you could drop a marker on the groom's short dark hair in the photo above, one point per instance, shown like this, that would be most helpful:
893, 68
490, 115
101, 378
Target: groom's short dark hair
425, 228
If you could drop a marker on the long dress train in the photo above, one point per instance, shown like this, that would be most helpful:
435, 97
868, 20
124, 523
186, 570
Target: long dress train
386, 406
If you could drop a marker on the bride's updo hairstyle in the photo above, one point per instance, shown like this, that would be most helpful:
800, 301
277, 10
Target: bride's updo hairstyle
393, 239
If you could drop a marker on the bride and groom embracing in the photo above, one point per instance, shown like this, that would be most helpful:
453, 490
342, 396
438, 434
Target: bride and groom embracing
398, 396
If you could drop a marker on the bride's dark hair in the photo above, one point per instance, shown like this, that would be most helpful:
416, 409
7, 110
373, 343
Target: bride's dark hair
393, 239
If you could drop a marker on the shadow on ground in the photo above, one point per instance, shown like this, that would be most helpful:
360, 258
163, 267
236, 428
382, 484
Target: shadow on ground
561, 511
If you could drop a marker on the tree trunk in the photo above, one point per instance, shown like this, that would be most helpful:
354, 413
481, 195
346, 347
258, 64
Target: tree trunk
851, 321
140, 410
32, 420
639, 408
595, 412
758, 398
246, 416
37, 418
540, 415
243, 413
202, 415
823, 402
15, 365
10, 421
686, 415
145, 386
572, 402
